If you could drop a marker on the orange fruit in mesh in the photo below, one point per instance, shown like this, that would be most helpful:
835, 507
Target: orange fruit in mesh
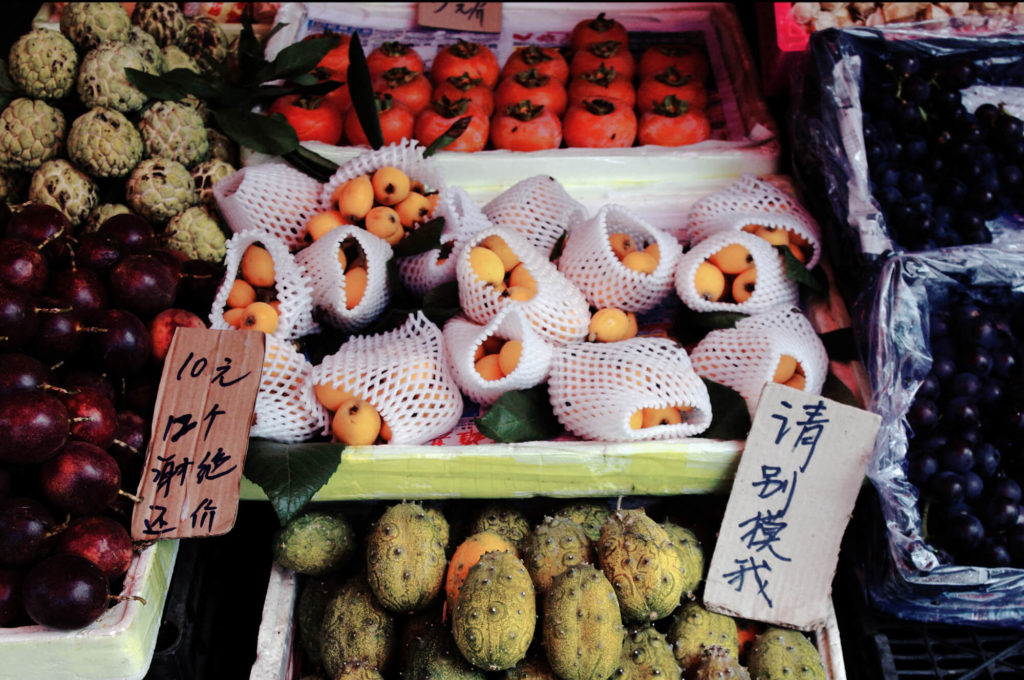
732, 259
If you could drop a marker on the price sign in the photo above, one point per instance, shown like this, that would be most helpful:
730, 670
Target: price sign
482, 17
200, 434
793, 494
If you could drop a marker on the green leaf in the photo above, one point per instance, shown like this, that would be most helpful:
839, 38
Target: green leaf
214, 92
442, 302
313, 164
298, 58
730, 416
290, 474
360, 87
556, 250
266, 134
690, 326
796, 271
449, 136
250, 51
422, 239
836, 390
520, 416
155, 87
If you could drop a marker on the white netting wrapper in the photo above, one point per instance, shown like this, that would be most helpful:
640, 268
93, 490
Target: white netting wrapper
537, 207
425, 271
462, 338
325, 273
403, 374
595, 388
746, 357
286, 407
558, 311
589, 261
750, 200
274, 198
772, 288
294, 290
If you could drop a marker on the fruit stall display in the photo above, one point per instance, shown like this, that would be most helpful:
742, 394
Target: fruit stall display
919, 178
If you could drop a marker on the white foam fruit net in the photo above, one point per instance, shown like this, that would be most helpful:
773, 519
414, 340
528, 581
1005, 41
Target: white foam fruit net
772, 288
420, 273
462, 338
405, 155
746, 357
273, 198
595, 388
558, 312
750, 200
537, 207
403, 374
327, 277
589, 261
287, 410
294, 290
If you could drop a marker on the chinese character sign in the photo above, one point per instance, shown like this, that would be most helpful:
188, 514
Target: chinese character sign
460, 16
200, 434
793, 494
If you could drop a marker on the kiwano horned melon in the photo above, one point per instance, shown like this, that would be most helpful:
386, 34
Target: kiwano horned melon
590, 516
495, 613
691, 553
315, 543
356, 628
784, 654
716, 663
357, 670
534, 667
555, 545
644, 567
316, 592
693, 629
466, 555
432, 656
582, 626
405, 560
504, 520
646, 655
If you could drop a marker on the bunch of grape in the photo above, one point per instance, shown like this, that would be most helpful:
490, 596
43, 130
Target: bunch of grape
80, 316
967, 426
938, 171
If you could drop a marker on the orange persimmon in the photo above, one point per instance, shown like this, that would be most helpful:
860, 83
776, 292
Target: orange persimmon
598, 29
673, 123
457, 87
524, 126
599, 123
670, 81
409, 87
396, 122
475, 59
611, 53
312, 118
540, 89
393, 54
602, 82
545, 60
435, 120
686, 59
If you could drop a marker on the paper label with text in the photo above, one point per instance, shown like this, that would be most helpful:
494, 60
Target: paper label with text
483, 17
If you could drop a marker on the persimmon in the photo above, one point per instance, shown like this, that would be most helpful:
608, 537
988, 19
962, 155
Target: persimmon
393, 54
653, 89
598, 29
435, 120
465, 57
684, 58
545, 60
312, 118
539, 89
673, 123
602, 82
611, 53
599, 123
396, 121
335, 62
524, 126
409, 87
457, 87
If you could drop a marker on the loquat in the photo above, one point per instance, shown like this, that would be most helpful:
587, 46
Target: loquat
489, 367
257, 266
777, 236
636, 420
259, 316
666, 415
509, 355
785, 369
390, 185
798, 253
233, 316
487, 265
323, 222
622, 244
744, 284
608, 325
241, 294
709, 282
732, 259
797, 382
354, 198
355, 286
496, 243
384, 223
331, 397
413, 209
640, 261
356, 423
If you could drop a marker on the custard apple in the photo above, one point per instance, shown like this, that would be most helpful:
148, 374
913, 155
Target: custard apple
60, 184
104, 143
176, 131
163, 20
206, 42
43, 64
103, 212
208, 173
102, 81
197, 235
31, 132
174, 58
222, 147
160, 188
87, 24
147, 47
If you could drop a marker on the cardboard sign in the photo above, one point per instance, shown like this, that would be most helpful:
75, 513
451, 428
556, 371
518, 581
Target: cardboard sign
200, 434
482, 17
791, 500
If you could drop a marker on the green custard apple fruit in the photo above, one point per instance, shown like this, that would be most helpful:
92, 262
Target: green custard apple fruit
31, 133
43, 63
104, 143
